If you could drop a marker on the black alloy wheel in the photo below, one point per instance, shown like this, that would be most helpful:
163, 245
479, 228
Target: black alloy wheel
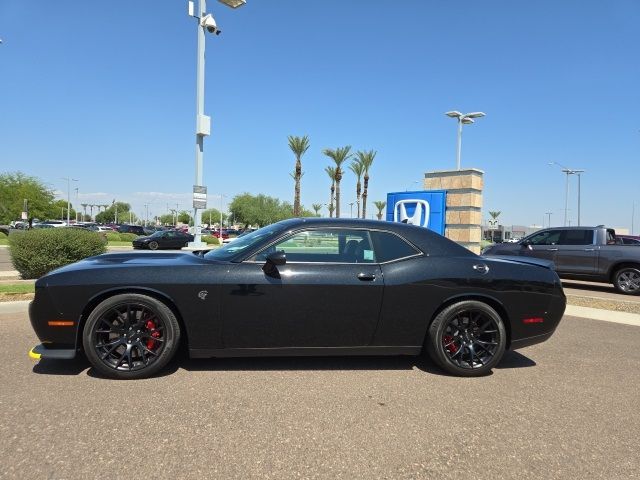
130, 336
153, 245
467, 338
627, 280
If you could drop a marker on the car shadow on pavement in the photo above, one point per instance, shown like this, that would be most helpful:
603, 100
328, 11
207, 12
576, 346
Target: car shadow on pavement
513, 359
264, 364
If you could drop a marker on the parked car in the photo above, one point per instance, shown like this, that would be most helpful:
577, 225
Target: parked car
163, 240
581, 253
217, 234
137, 229
55, 223
361, 287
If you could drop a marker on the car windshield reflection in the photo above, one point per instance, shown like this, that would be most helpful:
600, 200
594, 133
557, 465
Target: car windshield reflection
243, 243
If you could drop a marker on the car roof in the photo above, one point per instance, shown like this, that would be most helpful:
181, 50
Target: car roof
426, 240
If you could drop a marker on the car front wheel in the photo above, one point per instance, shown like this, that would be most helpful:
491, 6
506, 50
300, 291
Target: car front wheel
467, 338
627, 280
153, 245
130, 336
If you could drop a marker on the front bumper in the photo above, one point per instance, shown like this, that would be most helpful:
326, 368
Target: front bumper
41, 351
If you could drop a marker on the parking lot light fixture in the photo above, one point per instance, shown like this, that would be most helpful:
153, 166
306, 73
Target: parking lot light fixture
463, 119
569, 171
69, 180
233, 3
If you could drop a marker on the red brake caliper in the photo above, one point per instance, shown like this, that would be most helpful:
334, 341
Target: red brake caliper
451, 347
154, 333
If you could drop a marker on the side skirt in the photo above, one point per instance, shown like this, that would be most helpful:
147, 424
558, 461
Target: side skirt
301, 351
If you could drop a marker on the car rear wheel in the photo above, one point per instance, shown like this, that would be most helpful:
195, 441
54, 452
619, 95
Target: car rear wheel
467, 338
627, 280
153, 245
130, 336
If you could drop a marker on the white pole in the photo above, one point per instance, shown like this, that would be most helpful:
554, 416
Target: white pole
459, 150
202, 7
566, 199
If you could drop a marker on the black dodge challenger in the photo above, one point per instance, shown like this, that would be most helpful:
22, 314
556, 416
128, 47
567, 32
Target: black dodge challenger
299, 287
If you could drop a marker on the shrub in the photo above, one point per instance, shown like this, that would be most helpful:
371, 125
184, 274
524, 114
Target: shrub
36, 252
210, 240
3, 235
128, 237
113, 237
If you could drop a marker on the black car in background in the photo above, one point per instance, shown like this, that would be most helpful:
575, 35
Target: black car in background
137, 229
163, 240
299, 287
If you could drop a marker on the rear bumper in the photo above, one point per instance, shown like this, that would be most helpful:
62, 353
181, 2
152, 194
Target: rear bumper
41, 351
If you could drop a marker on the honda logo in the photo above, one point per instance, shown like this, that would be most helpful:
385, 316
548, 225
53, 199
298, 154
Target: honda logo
419, 216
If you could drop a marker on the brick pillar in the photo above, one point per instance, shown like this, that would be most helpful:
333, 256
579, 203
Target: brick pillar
464, 204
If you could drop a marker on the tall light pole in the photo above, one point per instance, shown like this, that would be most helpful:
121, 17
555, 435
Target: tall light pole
548, 214
69, 180
222, 195
463, 119
146, 215
351, 205
203, 122
569, 171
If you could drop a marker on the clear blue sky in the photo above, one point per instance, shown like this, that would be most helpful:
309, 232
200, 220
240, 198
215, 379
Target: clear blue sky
104, 91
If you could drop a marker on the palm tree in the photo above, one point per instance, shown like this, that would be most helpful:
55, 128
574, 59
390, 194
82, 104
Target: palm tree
331, 171
316, 207
84, 211
298, 145
494, 223
339, 155
366, 159
358, 168
380, 206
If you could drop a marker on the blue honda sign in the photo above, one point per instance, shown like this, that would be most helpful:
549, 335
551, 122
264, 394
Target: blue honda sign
425, 208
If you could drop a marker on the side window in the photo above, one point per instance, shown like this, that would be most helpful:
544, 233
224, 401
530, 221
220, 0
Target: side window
611, 238
548, 237
324, 246
390, 247
577, 237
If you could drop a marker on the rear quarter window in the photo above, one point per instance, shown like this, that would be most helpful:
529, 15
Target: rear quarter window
389, 247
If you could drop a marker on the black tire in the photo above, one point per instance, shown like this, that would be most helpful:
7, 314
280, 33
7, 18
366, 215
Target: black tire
153, 245
130, 336
627, 280
467, 339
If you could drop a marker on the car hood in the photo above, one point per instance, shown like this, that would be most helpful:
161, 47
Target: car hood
132, 260
142, 239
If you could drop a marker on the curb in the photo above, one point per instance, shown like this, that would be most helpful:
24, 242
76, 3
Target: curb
603, 315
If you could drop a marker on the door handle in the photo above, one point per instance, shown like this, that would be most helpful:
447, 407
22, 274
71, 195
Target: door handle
552, 249
481, 268
589, 249
366, 277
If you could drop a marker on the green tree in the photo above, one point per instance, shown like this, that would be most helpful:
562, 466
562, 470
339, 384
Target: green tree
358, 169
316, 208
260, 210
167, 219
17, 187
339, 155
380, 206
366, 159
298, 145
212, 215
331, 171
109, 214
184, 217
58, 210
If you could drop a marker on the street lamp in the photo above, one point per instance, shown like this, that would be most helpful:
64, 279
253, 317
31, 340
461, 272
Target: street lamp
222, 195
203, 122
548, 214
466, 119
569, 171
351, 205
69, 180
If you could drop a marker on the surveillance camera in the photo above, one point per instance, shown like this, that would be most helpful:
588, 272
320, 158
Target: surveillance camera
209, 23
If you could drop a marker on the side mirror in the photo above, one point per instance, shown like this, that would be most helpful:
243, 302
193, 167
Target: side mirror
273, 260
277, 258
525, 243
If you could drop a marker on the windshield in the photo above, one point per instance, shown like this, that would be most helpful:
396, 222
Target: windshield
244, 243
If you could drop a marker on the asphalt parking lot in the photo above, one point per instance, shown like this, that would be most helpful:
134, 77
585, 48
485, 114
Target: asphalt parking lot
567, 408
